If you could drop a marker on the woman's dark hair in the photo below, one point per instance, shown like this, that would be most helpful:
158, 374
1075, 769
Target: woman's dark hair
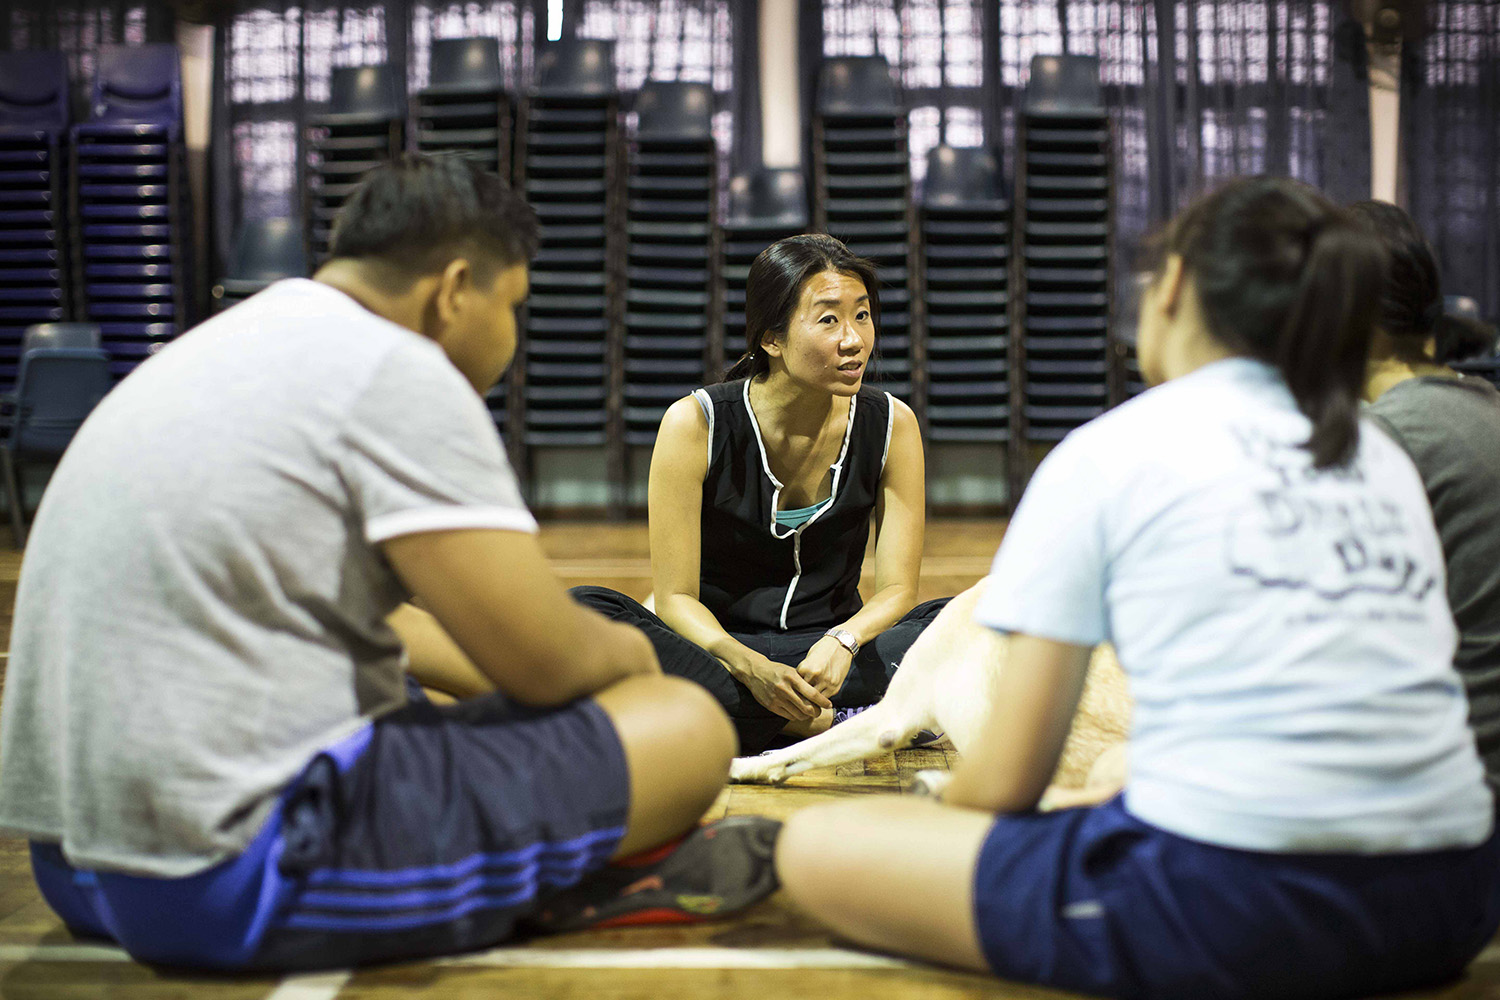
1411, 302
775, 286
414, 214
1286, 276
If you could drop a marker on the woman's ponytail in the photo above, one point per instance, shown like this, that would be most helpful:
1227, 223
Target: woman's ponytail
1322, 348
1288, 277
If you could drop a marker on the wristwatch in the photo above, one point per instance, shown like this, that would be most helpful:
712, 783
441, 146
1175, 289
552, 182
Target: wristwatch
845, 638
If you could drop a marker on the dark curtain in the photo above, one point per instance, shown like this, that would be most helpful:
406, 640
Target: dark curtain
1268, 86
79, 28
1451, 144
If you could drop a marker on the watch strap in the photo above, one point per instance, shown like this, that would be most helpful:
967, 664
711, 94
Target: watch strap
845, 638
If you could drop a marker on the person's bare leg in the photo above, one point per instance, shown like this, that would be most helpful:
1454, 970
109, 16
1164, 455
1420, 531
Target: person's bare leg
678, 744
889, 872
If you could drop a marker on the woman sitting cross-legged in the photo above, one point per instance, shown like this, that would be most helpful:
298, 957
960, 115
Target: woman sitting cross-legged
1305, 813
1450, 426
762, 491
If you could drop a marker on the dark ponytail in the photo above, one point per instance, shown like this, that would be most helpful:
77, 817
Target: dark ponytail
1411, 301
1286, 276
774, 288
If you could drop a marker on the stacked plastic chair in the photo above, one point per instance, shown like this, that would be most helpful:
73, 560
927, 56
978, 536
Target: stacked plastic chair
670, 314
863, 183
464, 109
1487, 365
767, 205
1065, 237
130, 190
966, 289
363, 125
568, 168
34, 278
265, 251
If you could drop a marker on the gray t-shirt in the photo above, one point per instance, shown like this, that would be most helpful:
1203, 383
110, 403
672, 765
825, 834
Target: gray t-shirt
201, 606
1451, 429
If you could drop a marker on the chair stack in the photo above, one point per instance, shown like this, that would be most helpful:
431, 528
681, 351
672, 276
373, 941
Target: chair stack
966, 290
131, 228
765, 206
568, 169
34, 278
265, 251
363, 126
862, 175
1487, 365
671, 257
1064, 251
464, 109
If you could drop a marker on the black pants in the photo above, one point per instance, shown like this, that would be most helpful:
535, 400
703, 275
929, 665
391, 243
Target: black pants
757, 725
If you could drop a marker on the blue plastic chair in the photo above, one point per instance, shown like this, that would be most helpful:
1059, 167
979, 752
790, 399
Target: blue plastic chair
138, 83
56, 388
33, 91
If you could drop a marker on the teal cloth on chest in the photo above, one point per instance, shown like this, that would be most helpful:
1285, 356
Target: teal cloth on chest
797, 518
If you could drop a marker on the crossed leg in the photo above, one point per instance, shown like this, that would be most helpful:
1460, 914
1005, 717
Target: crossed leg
893, 873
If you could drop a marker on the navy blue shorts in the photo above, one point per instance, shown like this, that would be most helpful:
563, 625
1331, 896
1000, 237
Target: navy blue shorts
433, 830
1097, 901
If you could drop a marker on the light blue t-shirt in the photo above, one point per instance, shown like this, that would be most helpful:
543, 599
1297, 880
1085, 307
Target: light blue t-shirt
1285, 630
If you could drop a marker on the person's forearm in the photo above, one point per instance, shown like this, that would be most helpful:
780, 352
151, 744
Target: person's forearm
884, 609
688, 617
433, 658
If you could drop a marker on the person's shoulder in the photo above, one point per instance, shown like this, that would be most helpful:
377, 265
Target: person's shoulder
723, 392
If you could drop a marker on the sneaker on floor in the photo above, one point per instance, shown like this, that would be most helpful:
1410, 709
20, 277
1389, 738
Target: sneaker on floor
845, 714
714, 871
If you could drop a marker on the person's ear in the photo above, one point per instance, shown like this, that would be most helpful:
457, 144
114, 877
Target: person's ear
453, 285
770, 344
1170, 284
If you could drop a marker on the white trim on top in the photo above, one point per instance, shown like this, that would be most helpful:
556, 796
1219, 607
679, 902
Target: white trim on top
765, 463
890, 422
416, 522
706, 404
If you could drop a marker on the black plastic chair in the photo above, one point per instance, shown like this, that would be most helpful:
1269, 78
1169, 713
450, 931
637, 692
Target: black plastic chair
465, 65
1064, 85
771, 193
362, 93
577, 67
47, 336
1461, 306
268, 250
956, 176
857, 87
681, 112
56, 389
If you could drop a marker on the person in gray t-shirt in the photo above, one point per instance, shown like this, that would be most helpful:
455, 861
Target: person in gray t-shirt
1450, 425
207, 734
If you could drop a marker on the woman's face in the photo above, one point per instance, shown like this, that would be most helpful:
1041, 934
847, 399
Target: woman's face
830, 336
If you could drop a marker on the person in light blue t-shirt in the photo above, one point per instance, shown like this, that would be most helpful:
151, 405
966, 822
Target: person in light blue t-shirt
1305, 813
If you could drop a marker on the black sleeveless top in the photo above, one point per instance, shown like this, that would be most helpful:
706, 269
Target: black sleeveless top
756, 575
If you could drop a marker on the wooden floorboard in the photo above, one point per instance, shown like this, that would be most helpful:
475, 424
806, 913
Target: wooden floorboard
39, 960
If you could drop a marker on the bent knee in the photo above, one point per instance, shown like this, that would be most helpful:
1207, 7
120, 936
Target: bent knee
809, 839
693, 716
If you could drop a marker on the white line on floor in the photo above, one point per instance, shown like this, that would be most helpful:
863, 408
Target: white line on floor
314, 986
678, 958
538, 958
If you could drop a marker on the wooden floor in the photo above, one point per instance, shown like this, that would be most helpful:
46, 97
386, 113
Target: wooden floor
772, 952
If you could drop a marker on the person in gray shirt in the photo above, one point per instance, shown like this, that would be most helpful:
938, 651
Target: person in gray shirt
207, 734
1450, 426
